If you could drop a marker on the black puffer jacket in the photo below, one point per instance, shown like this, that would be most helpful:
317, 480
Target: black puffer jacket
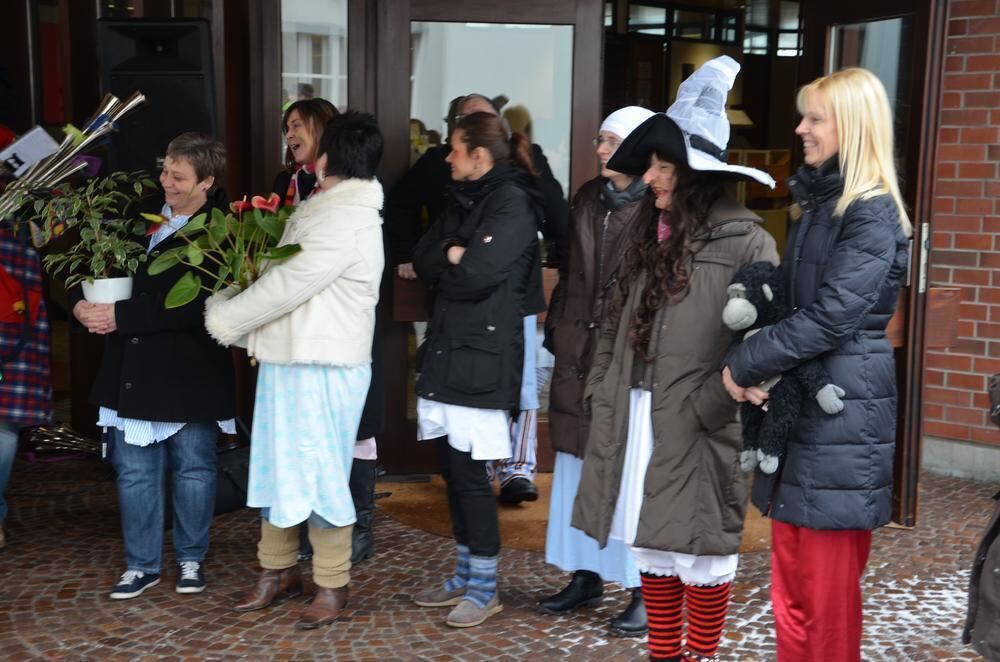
475, 342
844, 276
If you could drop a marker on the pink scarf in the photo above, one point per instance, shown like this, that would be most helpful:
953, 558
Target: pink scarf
663, 226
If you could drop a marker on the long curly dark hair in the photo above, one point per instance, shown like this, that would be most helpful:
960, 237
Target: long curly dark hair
694, 195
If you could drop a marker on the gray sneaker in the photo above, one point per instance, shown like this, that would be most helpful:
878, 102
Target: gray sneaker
468, 614
439, 596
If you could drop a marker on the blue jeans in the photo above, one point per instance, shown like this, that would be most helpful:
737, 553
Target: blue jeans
8, 449
189, 456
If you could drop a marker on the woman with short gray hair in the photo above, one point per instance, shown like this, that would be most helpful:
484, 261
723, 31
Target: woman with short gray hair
164, 387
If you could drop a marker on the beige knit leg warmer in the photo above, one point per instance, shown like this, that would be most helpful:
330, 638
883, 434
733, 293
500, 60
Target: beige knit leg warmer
331, 555
278, 548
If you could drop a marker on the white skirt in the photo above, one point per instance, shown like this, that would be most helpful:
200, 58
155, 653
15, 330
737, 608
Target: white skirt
485, 433
571, 549
690, 568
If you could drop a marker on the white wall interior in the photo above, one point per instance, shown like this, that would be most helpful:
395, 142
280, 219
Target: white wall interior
530, 64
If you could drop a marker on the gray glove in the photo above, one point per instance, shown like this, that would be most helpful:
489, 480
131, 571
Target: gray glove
767, 463
829, 399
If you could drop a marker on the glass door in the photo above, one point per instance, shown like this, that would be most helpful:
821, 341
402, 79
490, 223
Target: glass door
540, 63
902, 43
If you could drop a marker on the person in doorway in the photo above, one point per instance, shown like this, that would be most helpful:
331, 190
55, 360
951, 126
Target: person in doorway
604, 214
425, 185
164, 387
25, 383
304, 122
847, 258
661, 470
482, 259
310, 321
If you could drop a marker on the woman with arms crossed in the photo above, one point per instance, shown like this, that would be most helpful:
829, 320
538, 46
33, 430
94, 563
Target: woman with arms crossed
481, 257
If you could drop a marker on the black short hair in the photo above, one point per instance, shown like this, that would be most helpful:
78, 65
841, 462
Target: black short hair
352, 143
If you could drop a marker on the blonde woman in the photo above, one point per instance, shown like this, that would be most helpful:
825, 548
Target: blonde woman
846, 258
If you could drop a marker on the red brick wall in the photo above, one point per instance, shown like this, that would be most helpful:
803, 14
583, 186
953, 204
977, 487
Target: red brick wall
965, 237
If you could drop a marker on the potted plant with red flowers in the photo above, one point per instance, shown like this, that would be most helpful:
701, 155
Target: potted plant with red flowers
239, 244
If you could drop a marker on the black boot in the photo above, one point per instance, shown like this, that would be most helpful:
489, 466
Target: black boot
363, 493
305, 547
632, 621
585, 590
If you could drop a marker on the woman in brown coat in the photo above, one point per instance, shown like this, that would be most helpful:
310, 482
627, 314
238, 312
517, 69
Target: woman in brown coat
604, 212
662, 470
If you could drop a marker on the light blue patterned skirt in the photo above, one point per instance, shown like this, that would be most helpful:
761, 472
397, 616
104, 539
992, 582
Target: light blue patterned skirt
305, 423
571, 549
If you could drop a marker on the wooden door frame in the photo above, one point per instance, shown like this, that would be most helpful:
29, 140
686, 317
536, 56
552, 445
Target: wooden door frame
930, 28
397, 447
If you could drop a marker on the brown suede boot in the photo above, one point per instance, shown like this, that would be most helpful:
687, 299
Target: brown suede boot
324, 608
271, 584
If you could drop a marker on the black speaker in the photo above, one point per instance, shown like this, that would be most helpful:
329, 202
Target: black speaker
170, 62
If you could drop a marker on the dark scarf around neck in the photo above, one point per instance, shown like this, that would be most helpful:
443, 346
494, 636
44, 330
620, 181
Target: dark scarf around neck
614, 199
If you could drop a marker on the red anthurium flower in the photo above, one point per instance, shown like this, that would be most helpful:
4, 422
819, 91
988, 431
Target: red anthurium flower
155, 221
240, 206
271, 204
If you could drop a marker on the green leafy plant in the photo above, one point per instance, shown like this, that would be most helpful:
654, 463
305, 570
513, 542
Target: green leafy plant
225, 250
107, 243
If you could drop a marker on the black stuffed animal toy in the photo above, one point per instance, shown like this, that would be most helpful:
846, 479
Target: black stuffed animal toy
756, 300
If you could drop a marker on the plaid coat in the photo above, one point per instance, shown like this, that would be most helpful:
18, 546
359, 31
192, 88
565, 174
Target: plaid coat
26, 387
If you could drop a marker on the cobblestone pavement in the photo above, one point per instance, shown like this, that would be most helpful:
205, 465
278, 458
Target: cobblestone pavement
64, 553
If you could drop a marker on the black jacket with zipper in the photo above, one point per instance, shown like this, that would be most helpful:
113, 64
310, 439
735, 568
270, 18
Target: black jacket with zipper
475, 342
160, 364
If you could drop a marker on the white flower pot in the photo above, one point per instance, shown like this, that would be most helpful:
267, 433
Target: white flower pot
107, 290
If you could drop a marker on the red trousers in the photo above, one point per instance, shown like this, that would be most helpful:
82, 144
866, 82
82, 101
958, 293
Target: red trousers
816, 592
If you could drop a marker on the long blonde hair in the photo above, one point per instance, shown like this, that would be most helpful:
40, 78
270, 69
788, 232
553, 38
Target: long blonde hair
860, 108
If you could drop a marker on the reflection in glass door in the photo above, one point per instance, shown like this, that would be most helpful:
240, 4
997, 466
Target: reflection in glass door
314, 51
884, 47
528, 67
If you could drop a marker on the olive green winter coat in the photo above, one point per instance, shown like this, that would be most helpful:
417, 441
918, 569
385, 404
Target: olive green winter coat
695, 493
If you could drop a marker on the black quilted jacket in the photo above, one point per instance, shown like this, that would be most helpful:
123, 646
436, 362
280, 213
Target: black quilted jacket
844, 276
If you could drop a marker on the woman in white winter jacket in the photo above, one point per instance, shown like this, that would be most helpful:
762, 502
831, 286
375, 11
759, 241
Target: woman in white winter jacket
309, 322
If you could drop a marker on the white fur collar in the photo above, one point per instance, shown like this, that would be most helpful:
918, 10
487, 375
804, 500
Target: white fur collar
349, 192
